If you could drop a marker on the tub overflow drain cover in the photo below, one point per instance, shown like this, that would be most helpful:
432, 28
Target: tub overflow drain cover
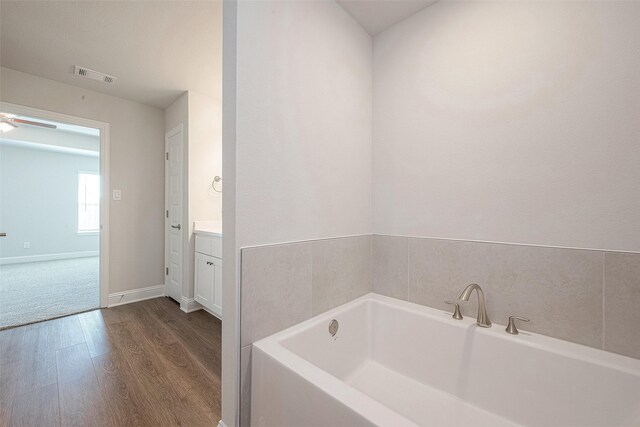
333, 327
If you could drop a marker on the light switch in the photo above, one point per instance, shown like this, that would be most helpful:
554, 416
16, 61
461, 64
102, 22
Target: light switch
117, 194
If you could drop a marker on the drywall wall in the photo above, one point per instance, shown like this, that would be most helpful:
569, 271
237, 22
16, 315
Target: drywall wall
510, 121
136, 167
39, 202
303, 122
205, 157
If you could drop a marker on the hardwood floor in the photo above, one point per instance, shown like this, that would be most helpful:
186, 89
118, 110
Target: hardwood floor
142, 364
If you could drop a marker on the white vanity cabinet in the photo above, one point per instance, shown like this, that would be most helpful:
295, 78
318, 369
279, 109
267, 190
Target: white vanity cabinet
208, 272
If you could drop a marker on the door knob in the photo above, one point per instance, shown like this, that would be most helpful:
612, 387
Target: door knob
176, 226
3, 234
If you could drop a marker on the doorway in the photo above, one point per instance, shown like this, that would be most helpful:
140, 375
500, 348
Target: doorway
53, 215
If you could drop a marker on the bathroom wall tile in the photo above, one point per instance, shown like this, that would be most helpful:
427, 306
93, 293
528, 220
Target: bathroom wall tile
276, 289
390, 263
622, 299
341, 271
245, 386
560, 290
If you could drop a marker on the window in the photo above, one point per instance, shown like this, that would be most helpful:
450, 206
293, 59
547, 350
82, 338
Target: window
88, 202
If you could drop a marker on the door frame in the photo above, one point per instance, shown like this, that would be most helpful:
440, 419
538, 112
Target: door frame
104, 179
177, 129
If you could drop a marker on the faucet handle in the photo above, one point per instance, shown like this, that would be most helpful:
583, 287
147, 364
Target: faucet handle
511, 327
456, 312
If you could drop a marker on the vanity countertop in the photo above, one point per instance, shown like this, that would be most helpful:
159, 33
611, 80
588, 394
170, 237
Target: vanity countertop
208, 228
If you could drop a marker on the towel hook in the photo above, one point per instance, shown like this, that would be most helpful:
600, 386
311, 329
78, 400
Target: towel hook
216, 180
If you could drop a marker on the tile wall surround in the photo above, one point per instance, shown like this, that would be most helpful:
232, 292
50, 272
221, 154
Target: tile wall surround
285, 284
589, 297
585, 296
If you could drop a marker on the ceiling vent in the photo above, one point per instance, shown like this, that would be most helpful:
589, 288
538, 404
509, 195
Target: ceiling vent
94, 75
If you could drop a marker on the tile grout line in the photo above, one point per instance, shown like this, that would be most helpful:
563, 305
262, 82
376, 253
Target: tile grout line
408, 270
604, 305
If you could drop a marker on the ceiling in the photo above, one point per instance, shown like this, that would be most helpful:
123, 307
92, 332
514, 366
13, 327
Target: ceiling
376, 16
157, 50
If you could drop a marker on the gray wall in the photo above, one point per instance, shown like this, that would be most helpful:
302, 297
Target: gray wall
510, 122
39, 202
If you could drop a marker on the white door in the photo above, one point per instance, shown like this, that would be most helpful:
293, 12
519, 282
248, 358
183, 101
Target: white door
173, 216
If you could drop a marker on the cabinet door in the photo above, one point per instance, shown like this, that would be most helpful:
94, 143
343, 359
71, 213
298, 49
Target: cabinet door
217, 287
204, 279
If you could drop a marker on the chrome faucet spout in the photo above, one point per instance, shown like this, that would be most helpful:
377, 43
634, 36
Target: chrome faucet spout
483, 317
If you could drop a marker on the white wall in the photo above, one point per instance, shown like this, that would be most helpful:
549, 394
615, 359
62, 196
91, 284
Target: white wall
303, 122
39, 202
512, 122
205, 157
136, 167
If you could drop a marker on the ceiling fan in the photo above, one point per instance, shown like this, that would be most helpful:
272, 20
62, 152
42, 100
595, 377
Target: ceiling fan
9, 122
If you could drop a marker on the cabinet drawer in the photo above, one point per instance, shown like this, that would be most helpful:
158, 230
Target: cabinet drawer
211, 246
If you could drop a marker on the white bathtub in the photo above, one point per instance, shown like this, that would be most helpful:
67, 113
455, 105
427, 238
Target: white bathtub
394, 363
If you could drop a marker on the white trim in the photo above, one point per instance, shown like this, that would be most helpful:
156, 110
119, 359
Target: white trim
126, 297
189, 305
221, 424
47, 257
103, 127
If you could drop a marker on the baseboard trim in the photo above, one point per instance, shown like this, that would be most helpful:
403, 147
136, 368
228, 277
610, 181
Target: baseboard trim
189, 305
126, 297
47, 257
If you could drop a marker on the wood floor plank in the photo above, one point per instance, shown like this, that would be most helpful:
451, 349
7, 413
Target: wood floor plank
11, 345
64, 332
37, 366
149, 369
127, 401
152, 329
117, 314
204, 395
172, 351
36, 408
81, 400
8, 382
204, 352
94, 328
140, 357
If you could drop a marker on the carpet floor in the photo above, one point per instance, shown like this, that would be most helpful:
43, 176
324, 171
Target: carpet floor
36, 291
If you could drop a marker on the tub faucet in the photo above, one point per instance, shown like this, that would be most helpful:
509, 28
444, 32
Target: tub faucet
483, 317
